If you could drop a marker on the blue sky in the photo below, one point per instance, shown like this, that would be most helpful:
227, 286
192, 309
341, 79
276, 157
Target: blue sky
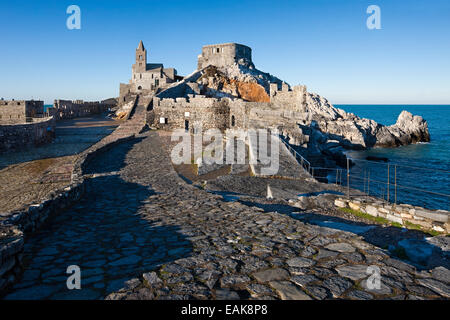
323, 44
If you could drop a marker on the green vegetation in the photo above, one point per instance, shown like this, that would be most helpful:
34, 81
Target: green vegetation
381, 220
396, 224
413, 226
368, 216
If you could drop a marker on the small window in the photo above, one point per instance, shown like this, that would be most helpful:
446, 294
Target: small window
233, 121
156, 82
140, 57
218, 50
163, 120
187, 114
140, 75
139, 88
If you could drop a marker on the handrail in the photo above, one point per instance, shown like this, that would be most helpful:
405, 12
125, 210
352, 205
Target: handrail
296, 154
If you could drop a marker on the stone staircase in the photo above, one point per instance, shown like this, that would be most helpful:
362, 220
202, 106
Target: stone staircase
137, 119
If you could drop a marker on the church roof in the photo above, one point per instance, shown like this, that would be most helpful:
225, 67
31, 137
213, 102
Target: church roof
141, 46
152, 66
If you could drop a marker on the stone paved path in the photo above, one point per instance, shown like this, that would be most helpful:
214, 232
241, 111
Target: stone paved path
141, 227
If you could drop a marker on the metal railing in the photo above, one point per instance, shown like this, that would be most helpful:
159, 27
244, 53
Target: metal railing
386, 183
391, 182
306, 165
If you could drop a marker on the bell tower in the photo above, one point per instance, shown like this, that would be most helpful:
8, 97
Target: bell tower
141, 58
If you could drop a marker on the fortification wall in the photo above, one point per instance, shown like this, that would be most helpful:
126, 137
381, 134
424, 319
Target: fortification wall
12, 113
285, 98
286, 106
17, 111
189, 113
20, 135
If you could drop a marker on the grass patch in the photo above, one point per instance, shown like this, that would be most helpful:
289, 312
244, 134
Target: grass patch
367, 216
413, 226
396, 224
408, 225
434, 233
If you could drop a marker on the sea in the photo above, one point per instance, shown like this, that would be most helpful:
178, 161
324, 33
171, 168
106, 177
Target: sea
419, 174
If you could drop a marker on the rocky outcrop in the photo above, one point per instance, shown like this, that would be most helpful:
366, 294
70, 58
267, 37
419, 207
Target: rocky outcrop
231, 82
355, 132
408, 129
324, 130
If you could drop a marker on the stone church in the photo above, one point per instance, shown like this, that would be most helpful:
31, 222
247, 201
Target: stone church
146, 78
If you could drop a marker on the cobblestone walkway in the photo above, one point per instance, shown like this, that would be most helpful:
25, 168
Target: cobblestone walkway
141, 227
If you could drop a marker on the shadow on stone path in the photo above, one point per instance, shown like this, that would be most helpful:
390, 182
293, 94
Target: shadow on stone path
103, 234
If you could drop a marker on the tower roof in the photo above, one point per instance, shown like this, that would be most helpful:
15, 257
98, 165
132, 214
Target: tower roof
141, 46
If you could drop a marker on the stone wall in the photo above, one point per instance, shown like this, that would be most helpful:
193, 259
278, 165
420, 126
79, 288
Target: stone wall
11, 247
188, 113
17, 136
294, 99
403, 214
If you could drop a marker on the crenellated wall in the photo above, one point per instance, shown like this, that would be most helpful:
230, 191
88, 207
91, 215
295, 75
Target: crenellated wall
67, 109
223, 113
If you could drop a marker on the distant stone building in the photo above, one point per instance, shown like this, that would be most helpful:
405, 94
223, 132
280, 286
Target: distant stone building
146, 78
221, 55
24, 123
20, 111
68, 109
